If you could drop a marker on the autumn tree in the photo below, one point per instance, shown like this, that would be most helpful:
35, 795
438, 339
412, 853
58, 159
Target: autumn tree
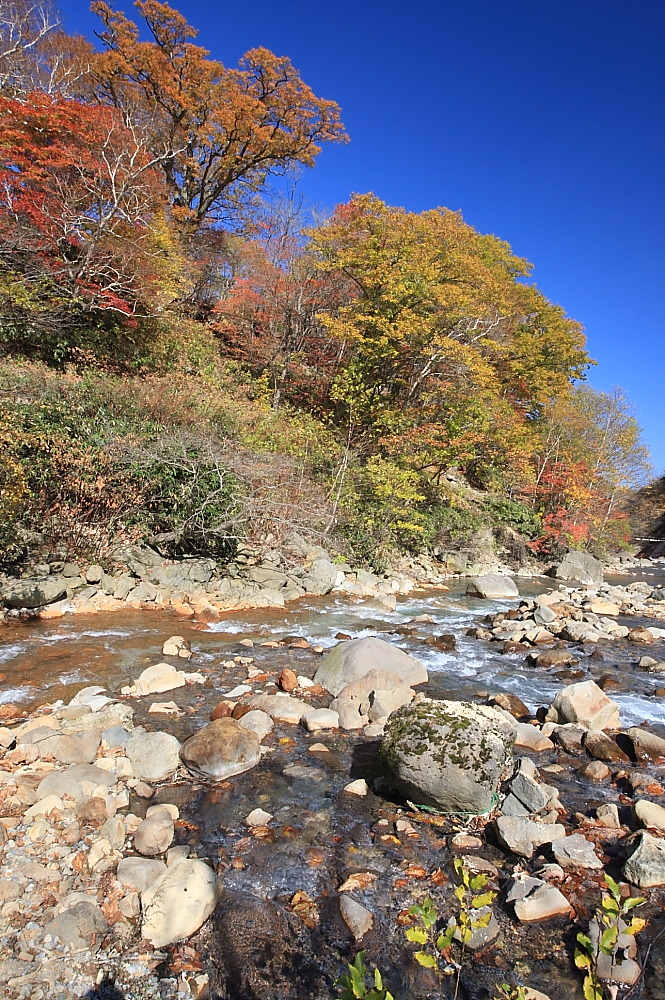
441, 332
81, 216
588, 457
270, 319
216, 133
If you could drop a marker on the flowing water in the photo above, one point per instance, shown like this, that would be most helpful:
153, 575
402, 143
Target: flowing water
319, 834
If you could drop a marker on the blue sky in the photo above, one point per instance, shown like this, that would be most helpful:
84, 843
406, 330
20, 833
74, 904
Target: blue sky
541, 120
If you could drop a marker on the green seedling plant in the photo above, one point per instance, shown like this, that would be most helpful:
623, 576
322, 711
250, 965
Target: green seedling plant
472, 895
507, 992
354, 982
614, 911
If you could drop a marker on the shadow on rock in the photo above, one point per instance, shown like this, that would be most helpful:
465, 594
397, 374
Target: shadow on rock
105, 990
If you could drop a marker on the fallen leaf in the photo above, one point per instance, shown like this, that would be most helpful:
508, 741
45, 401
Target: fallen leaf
413, 870
359, 880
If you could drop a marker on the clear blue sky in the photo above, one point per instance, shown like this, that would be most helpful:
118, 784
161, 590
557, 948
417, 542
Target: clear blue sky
541, 120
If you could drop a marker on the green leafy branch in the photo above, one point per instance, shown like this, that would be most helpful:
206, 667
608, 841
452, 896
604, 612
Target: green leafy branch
613, 920
354, 982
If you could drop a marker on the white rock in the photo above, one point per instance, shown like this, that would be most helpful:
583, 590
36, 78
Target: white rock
258, 817
357, 918
357, 787
178, 903
320, 718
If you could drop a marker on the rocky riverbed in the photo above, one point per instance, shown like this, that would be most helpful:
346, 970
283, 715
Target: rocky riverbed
147, 848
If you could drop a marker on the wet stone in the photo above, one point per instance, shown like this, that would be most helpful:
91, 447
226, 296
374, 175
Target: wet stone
576, 852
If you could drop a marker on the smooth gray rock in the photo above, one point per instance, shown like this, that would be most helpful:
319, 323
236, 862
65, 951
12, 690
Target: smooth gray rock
650, 814
535, 900
77, 929
580, 567
492, 586
75, 748
34, 593
257, 722
154, 756
154, 835
448, 754
71, 781
220, 750
576, 852
320, 578
354, 658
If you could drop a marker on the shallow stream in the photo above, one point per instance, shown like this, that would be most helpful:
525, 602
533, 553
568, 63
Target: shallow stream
261, 942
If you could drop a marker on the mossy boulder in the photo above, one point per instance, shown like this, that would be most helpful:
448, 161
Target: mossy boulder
448, 754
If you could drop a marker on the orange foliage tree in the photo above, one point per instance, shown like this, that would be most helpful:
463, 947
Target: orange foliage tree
216, 132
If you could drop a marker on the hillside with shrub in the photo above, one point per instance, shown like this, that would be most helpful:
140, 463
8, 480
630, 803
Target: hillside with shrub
192, 358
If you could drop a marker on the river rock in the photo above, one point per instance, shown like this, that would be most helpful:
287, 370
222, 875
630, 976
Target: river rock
447, 754
320, 718
580, 567
607, 815
154, 756
357, 917
158, 678
321, 577
620, 966
78, 928
547, 658
178, 903
34, 593
576, 853
535, 900
594, 770
586, 704
650, 814
257, 722
353, 659
177, 645
76, 748
154, 835
220, 750
602, 747
280, 707
646, 746
371, 697
522, 836
74, 781
645, 868
531, 738
492, 585
139, 873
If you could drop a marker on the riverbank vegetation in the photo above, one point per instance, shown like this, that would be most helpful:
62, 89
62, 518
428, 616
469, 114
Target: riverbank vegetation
191, 354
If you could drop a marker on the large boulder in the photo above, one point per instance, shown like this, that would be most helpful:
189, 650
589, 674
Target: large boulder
492, 585
586, 704
579, 567
448, 754
178, 903
371, 697
34, 593
220, 750
352, 659
321, 577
